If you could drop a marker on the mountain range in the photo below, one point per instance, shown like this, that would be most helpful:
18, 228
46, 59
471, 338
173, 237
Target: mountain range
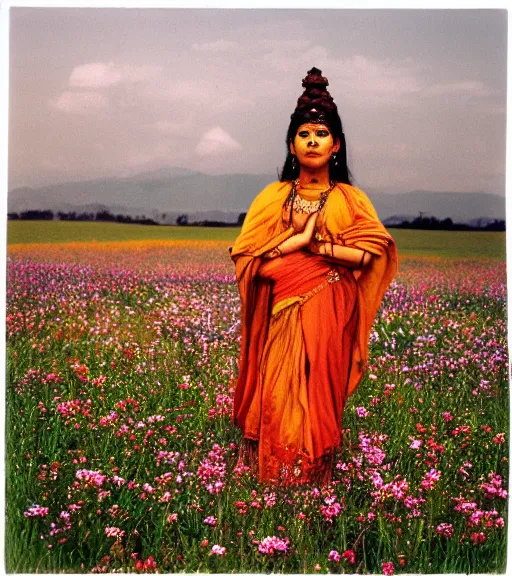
165, 194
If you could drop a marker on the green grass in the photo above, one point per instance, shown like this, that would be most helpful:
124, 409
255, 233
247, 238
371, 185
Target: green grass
25, 231
410, 242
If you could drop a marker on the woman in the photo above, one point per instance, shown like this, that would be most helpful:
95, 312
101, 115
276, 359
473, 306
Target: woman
312, 263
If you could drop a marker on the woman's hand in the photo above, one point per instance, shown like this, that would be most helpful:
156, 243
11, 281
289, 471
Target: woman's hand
315, 247
295, 242
271, 254
321, 247
306, 236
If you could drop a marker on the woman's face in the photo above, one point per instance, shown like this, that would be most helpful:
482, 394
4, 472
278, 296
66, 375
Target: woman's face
313, 145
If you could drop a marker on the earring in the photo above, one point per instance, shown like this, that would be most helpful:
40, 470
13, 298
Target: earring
294, 162
334, 159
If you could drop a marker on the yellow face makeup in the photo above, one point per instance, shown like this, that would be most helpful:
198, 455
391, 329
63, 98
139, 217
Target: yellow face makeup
313, 145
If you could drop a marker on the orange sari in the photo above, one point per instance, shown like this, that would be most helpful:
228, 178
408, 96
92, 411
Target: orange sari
305, 328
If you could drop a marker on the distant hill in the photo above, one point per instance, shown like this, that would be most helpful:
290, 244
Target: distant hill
165, 194
459, 206
186, 192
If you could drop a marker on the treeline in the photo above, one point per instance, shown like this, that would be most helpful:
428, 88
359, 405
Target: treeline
102, 216
182, 220
433, 223
106, 216
419, 223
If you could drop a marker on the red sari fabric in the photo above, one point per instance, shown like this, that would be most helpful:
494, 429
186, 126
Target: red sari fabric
297, 409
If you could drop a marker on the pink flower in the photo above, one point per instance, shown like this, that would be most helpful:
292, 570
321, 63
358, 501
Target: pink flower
465, 507
415, 444
493, 488
334, 556
91, 477
362, 412
210, 521
271, 544
388, 568
330, 512
36, 511
499, 438
113, 532
399, 488
369, 446
212, 470
430, 479
445, 530
148, 488
219, 550
270, 499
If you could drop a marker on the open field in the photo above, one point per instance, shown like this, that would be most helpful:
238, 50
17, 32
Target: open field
419, 242
121, 365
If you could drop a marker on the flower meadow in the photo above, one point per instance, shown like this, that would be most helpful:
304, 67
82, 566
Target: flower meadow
121, 456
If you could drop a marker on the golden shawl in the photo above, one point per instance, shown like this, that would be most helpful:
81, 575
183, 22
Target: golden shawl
350, 220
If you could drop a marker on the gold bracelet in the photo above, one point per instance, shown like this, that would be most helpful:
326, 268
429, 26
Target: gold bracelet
279, 253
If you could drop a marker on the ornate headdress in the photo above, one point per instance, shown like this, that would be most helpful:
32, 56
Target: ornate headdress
316, 104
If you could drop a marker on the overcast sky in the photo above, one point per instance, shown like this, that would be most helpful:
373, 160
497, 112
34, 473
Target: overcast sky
108, 92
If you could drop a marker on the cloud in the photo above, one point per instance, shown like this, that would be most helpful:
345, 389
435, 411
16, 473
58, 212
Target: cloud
469, 88
216, 141
104, 74
79, 102
217, 46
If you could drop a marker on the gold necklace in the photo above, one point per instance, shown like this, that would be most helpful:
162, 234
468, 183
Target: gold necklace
301, 205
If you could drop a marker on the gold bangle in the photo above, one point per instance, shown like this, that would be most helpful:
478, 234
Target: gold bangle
279, 253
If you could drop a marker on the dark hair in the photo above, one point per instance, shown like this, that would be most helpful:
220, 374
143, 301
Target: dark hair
316, 105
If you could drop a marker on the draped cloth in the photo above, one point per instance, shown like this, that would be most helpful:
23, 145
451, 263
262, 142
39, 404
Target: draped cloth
306, 321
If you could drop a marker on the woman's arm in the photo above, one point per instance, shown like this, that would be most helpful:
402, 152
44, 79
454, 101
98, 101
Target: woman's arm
353, 257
